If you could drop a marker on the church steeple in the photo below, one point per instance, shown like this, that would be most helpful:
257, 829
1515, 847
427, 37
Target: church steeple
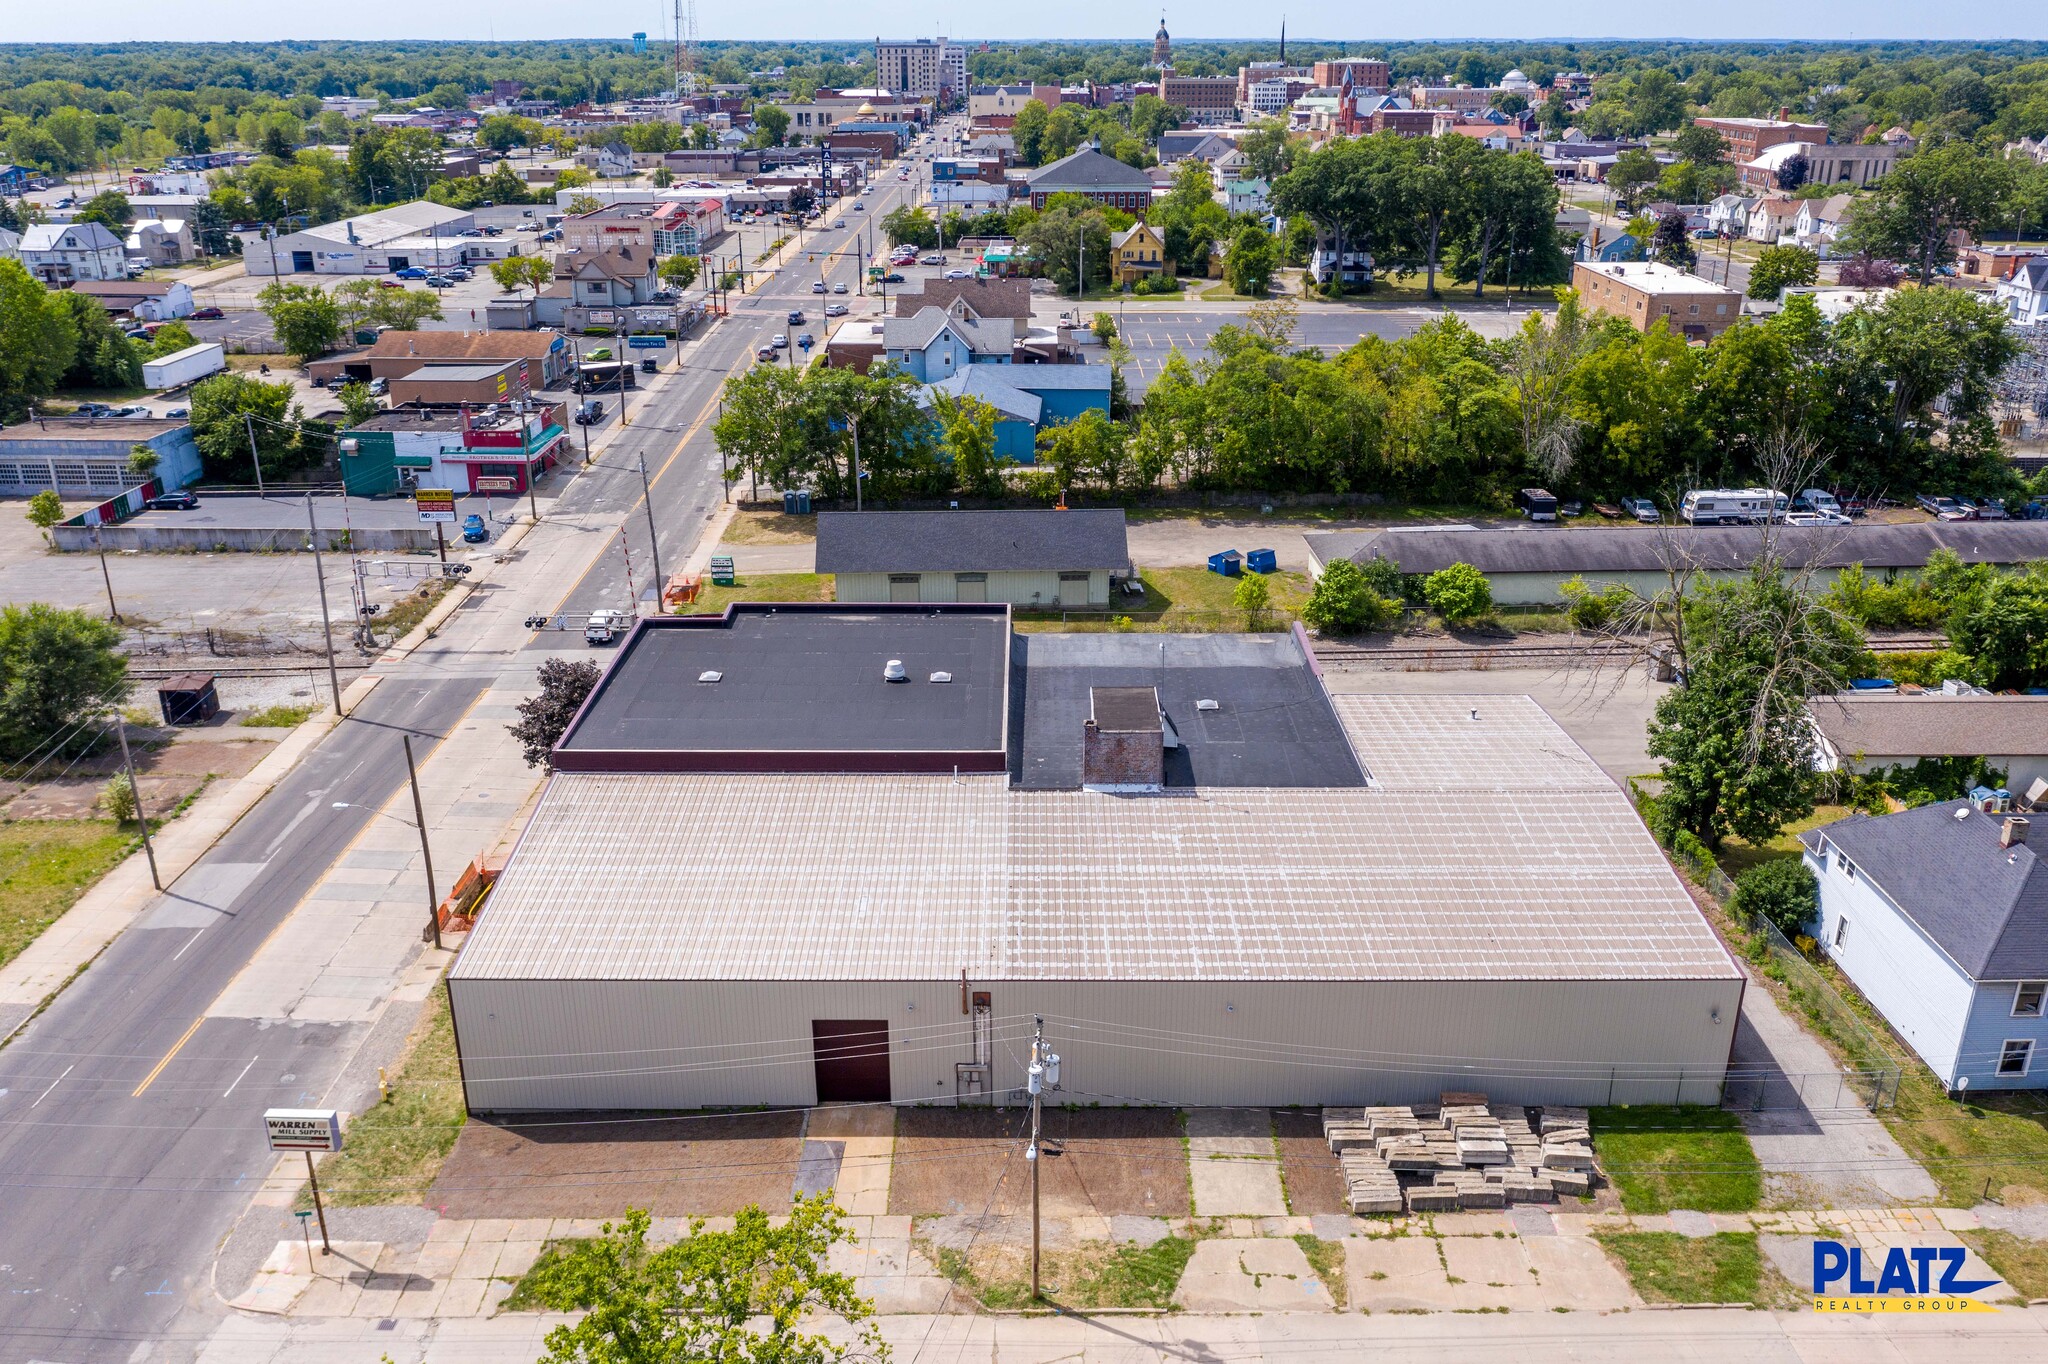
1162, 46
1283, 40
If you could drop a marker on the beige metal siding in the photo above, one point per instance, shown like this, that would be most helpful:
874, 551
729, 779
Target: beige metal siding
1026, 589
676, 1044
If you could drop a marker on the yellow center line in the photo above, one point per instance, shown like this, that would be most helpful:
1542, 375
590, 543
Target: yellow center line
176, 1047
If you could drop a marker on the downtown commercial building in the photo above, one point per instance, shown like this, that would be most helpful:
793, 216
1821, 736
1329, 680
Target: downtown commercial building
764, 872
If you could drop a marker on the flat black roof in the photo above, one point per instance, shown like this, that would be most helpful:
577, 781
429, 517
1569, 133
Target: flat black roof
1272, 724
801, 689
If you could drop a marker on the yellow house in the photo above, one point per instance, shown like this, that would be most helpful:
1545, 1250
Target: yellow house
1137, 253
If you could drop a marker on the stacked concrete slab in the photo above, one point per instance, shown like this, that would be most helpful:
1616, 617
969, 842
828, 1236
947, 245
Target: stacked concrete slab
1459, 1153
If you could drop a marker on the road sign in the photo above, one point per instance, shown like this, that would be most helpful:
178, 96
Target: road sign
647, 342
303, 1129
497, 483
434, 504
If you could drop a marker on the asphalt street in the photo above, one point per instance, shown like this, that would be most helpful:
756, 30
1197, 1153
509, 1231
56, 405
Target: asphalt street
130, 1124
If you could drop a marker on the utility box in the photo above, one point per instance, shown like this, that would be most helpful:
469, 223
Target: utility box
721, 570
1229, 563
188, 699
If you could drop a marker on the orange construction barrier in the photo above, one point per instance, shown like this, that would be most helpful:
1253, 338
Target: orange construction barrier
682, 589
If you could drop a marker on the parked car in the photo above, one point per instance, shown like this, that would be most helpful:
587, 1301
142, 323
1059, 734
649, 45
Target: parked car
178, 501
590, 413
1642, 509
765, 353
471, 232
835, 310
598, 353
137, 333
893, 277
839, 288
440, 282
389, 284
178, 412
379, 387
805, 341
206, 314
931, 260
461, 274
1928, 502
650, 365
474, 531
410, 272
1816, 500
958, 274
1993, 509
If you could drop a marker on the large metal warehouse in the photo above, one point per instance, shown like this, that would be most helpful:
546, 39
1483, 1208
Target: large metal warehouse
764, 872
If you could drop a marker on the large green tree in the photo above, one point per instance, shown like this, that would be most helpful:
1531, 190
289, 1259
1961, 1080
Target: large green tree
37, 340
307, 320
58, 669
227, 410
1911, 213
104, 356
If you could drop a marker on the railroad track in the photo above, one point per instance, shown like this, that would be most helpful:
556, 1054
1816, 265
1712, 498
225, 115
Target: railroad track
318, 665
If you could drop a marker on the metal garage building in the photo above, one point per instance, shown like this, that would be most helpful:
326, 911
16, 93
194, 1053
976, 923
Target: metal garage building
763, 874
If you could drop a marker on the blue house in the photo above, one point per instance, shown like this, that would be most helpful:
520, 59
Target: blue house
1940, 916
937, 343
1027, 398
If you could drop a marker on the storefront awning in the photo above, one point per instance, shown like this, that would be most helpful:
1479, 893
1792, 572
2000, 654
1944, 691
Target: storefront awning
413, 461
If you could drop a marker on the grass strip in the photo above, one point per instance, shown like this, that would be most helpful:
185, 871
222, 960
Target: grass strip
1660, 1157
395, 1150
45, 865
1667, 1267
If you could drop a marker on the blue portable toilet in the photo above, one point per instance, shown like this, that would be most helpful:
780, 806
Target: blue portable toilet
1262, 561
789, 502
803, 501
1229, 563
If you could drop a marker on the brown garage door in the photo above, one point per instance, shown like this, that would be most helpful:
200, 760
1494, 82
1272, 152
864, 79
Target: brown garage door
852, 1060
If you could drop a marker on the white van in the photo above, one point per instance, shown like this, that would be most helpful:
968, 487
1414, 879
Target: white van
1731, 506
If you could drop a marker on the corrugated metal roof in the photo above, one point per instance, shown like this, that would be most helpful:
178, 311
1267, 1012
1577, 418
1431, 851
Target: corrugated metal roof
1533, 873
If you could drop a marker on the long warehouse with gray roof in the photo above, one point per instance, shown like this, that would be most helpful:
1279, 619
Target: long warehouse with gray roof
824, 852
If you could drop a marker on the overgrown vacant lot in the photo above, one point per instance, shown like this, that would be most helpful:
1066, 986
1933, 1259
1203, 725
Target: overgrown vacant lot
45, 865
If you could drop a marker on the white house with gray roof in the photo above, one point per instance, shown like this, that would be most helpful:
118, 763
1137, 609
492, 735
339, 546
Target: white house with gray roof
1940, 917
64, 253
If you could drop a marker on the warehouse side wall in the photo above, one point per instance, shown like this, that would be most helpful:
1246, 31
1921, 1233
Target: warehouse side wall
542, 1045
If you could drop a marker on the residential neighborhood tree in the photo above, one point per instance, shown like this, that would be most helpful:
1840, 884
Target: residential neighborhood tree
306, 320
1780, 267
1940, 190
514, 273
37, 340
226, 408
680, 272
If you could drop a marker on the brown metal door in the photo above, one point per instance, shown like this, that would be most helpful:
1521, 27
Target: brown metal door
852, 1058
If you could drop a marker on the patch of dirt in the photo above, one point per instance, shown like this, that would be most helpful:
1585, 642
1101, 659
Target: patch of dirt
1308, 1167
167, 774
711, 1164
750, 527
959, 1161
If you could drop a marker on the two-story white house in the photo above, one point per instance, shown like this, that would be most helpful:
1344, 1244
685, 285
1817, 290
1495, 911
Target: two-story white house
2024, 293
1729, 214
1820, 221
63, 253
1940, 917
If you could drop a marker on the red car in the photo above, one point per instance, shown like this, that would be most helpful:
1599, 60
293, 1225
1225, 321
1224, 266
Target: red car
206, 314
389, 284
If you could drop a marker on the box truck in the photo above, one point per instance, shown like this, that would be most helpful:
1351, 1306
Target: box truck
185, 366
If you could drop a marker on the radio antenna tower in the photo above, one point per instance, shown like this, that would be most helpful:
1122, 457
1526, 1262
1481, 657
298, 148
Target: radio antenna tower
686, 47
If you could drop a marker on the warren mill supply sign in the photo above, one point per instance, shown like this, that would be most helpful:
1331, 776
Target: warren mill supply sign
303, 1129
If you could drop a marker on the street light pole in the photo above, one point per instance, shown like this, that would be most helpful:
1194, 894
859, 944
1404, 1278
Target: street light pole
427, 854
326, 626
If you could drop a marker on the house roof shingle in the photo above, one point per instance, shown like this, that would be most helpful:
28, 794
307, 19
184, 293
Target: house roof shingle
1009, 298
1933, 726
1983, 905
1731, 548
971, 541
1087, 170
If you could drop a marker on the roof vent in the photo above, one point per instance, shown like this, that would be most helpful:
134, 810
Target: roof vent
892, 671
942, 677
711, 675
1207, 704
2013, 832
1962, 814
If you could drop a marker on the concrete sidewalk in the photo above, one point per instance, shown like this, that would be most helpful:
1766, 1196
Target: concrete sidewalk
1699, 1337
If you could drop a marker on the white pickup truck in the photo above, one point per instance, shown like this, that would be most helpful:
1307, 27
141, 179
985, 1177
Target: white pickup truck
606, 626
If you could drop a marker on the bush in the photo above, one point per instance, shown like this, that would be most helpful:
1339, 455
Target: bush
1592, 610
1104, 326
1344, 603
1781, 892
1929, 669
117, 798
1459, 594
1384, 576
45, 509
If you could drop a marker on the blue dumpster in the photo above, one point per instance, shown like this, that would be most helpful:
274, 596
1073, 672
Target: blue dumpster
1229, 563
1262, 561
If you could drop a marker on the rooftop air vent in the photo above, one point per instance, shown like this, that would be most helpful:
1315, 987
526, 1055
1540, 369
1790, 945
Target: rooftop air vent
942, 677
892, 671
711, 675
1206, 704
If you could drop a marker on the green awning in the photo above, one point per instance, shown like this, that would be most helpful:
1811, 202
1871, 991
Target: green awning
413, 461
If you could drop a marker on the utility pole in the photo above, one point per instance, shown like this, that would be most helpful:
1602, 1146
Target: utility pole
653, 540
1043, 1072
135, 789
419, 815
326, 628
249, 423
113, 611
854, 423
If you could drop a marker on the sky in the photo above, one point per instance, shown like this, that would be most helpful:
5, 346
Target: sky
267, 20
